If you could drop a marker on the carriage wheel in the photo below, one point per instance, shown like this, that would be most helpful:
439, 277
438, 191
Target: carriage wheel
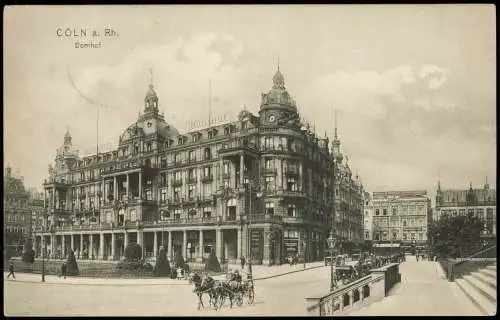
250, 295
239, 299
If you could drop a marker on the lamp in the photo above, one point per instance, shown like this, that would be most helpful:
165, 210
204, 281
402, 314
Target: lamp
332, 241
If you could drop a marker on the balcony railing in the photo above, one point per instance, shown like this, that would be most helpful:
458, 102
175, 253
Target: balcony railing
264, 218
207, 179
192, 180
180, 221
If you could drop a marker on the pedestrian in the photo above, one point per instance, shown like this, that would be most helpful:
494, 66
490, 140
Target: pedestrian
63, 270
242, 260
11, 271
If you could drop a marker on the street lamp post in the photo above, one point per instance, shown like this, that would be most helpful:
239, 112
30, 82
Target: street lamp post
258, 194
331, 244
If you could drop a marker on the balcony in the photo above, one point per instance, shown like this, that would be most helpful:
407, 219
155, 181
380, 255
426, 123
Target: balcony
265, 218
207, 179
269, 171
291, 171
291, 194
176, 183
235, 147
192, 180
180, 221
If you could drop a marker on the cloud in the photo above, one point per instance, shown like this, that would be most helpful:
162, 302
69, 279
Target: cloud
435, 76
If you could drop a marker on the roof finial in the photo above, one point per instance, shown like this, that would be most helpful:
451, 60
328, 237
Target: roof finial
439, 183
335, 116
278, 63
151, 77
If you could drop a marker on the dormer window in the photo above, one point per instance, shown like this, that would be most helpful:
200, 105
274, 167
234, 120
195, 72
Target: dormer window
180, 141
168, 143
212, 133
196, 137
227, 131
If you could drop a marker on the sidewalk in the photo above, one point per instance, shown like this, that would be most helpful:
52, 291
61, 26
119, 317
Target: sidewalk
423, 291
259, 273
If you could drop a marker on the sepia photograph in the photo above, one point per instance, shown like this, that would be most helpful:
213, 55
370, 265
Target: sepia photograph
249, 160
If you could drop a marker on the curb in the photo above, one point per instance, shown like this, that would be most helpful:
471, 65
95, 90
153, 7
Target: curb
154, 284
290, 272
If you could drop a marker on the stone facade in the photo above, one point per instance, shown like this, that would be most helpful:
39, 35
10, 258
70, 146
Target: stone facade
17, 214
401, 217
480, 202
259, 187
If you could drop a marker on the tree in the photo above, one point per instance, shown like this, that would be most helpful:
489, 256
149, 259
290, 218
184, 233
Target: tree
178, 260
162, 267
133, 252
71, 265
453, 237
212, 264
28, 254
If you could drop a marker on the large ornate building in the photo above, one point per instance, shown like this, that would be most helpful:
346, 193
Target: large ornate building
480, 202
17, 215
260, 186
349, 195
400, 219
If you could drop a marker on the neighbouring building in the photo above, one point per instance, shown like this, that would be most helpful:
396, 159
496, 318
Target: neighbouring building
260, 186
401, 219
17, 214
349, 194
36, 206
480, 202
368, 217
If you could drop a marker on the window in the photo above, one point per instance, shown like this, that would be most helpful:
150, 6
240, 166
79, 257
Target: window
394, 211
163, 162
269, 143
195, 138
149, 194
136, 148
367, 235
133, 215
178, 176
291, 234
270, 208
149, 147
177, 214
269, 183
226, 167
384, 211
404, 223
163, 195
291, 184
394, 235
461, 212
207, 212
180, 141
207, 154
191, 174
377, 212
163, 179
268, 164
291, 211
177, 193
243, 125
207, 171
405, 236
191, 191
192, 156
177, 158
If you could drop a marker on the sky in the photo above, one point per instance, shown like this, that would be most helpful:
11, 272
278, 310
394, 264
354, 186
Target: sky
413, 85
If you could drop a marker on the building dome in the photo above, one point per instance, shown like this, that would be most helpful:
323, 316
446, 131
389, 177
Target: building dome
278, 96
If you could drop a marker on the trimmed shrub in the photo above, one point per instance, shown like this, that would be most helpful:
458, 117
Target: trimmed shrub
71, 265
137, 265
133, 252
28, 254
212, 264
162, 267
178, 260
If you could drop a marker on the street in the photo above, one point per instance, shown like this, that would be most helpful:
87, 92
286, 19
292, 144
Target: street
283, 295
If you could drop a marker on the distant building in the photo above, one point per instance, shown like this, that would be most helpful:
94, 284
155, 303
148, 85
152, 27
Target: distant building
368, 217
401, 218
349, 195
17, 215
37, 209
479, 202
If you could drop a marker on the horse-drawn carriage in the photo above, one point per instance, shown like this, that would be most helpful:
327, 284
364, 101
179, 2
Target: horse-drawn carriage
215, 293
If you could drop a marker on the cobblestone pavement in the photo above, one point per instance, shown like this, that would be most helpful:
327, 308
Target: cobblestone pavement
423, 291
283, 295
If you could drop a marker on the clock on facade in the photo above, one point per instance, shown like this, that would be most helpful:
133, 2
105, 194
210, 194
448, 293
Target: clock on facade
272, 118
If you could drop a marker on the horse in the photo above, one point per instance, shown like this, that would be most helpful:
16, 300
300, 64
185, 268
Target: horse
201, 286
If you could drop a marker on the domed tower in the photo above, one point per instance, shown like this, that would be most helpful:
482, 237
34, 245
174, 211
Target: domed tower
277, 106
